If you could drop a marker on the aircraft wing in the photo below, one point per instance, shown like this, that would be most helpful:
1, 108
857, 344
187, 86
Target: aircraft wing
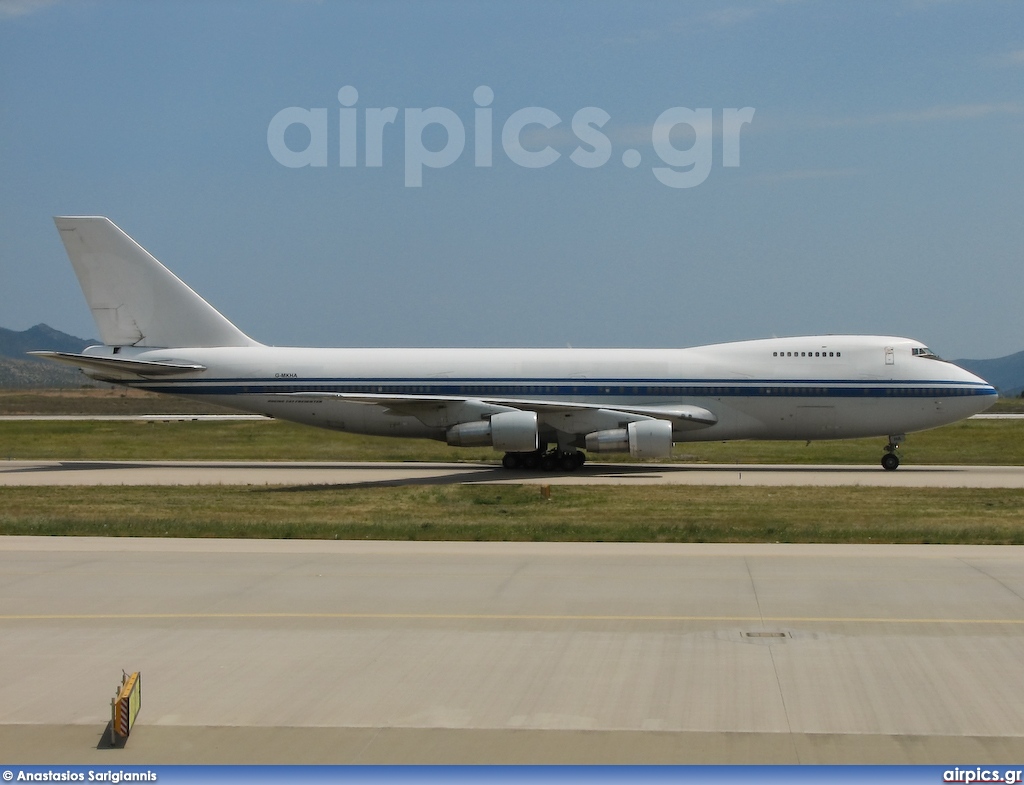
571, 416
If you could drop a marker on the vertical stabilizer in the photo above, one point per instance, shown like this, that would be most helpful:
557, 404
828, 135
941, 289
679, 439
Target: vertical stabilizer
135, 300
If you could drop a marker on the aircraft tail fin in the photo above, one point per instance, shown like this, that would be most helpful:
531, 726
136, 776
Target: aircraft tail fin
135, 300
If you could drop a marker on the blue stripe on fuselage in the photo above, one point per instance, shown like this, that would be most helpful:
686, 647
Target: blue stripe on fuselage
504, 388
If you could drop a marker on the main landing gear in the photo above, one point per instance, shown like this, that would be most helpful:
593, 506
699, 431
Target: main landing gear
891, 461
545, 460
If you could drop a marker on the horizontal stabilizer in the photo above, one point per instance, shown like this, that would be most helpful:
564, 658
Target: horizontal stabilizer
119, 369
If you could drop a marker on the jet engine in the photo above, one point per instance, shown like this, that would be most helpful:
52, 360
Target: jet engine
643, 439
507, 431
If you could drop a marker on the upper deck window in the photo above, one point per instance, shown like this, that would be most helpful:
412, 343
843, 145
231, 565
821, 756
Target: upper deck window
810, 354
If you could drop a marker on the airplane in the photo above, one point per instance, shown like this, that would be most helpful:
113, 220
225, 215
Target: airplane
540, 407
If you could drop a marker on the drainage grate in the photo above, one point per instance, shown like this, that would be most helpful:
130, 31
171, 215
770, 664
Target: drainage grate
766, 634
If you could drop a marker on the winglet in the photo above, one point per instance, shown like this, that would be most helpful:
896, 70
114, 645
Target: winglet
135, 300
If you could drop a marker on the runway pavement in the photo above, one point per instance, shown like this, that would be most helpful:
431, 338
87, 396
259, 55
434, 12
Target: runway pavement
229, 417
41, 473
372, 652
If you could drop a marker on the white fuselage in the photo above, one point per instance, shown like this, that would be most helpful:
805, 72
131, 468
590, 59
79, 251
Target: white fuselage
818, 387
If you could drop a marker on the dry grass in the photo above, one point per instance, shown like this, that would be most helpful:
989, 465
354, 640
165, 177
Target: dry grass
972, 442
649, 514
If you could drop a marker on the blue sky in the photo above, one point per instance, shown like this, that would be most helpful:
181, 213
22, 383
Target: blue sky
879, 185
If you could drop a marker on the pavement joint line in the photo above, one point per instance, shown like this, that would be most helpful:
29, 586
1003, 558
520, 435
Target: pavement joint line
498, 617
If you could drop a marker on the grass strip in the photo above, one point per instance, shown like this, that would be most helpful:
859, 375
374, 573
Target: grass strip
521, 513
972, 442
105, 400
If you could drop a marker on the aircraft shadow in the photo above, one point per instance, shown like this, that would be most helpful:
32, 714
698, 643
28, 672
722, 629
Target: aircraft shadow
495, 474
480, 475
460, 473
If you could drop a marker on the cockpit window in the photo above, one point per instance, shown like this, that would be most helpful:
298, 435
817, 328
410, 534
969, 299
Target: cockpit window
923, 351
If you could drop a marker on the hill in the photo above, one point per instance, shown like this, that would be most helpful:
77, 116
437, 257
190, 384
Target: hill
18, 370
42, 336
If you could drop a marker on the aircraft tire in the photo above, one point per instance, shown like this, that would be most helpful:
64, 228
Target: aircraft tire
890, 462
568, 462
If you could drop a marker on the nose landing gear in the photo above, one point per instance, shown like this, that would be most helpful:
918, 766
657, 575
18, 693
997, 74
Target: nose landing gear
891, 461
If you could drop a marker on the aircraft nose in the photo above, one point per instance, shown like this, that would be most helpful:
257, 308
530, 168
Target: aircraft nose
985, 393
973, 377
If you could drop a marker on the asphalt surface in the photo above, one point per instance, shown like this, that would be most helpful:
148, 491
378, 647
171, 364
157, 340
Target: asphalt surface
42, 473
389, 652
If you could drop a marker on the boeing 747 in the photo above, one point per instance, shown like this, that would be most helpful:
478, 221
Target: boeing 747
540, 407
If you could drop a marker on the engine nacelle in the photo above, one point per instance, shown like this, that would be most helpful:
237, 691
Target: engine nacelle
506, 431
643, 439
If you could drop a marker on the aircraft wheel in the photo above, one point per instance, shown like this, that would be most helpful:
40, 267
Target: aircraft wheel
511, 461
529, 460
581, 458
568, 462
890, 462
549, 462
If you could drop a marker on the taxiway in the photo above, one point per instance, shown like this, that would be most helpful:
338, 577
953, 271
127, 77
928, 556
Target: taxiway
391, 652
41, 473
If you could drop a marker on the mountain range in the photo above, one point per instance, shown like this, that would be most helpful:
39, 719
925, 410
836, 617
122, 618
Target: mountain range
18, 370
